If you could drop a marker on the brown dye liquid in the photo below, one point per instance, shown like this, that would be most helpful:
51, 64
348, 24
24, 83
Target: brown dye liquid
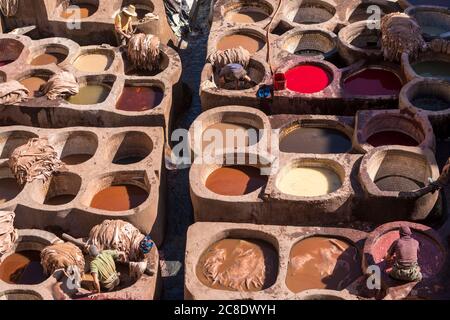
9, 189
238, 265
139, 98
22, 267
90, 94
246, 15
397, 183
322, 263
315, 140
48, 58
75, 159
33, 84
249, 42
119, 198
209, 137
86, 10
59, 200
235, 180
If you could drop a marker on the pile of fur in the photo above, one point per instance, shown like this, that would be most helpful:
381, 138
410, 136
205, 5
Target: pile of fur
61, 85
9, 8
62, 256
117, 235
36, 160
12, 92
401, 34
221, 58
143, 52
8, 235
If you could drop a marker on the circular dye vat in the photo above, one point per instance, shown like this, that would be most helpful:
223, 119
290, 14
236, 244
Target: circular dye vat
9, 189
119, 198
430, 257
310, 13
80, 11
93, 62
139, 98
246, 15
238, 265
90, 94
249, 42
396, 182
434, 68
391, 137
216, 136
23, 268
74, 159
33, 84
48, 58
309, 182
5, 62
373, 82
59, 200
322, 263
307, 79
235, 180
300, 139
430, 102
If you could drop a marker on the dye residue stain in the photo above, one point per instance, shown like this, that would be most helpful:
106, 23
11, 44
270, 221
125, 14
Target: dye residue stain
238, 265
22, 268
5, 62
235, 180
434, 68
119, 198
249, 42
246, 15
75, 159
373, 82
322, 263
33, 84
140, 98
430, 102
314, 140
94, 62
9, 189
384, 138
90, 94
48, 58
430, 256
309, 182
307, 79
85, 10
215, 136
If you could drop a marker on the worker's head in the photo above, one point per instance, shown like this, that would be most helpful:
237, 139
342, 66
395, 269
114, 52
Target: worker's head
93, 250
146, 245
130, 11
405, 231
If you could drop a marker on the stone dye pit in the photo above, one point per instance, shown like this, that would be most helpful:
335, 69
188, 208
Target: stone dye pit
308, 181
307, 79
239, 265
322, 263
91, 94
139, 98
433, 68
33, 84
119, 198
308, 139
235, 180
93, 62
373, 81
22, 268
248, 41
48, 58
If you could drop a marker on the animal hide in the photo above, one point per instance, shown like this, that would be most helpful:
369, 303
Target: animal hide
220, 58
143, 51
8, 235
62, 256
61, 85
12, 92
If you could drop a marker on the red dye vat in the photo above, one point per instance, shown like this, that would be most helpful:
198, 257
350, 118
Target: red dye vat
373, 82
5, 62
307, 79
431, 257
385, 138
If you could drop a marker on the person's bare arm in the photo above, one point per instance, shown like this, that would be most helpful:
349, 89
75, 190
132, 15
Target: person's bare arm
96, 282
391, 251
